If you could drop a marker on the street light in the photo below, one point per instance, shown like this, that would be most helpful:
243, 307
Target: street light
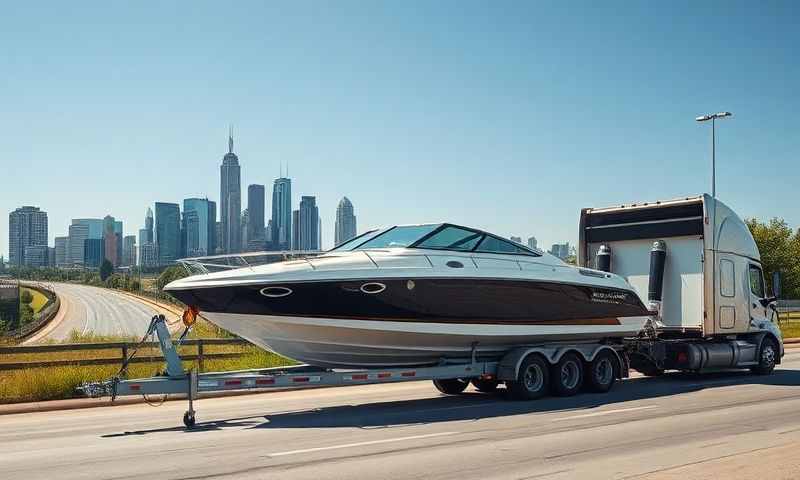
713, 117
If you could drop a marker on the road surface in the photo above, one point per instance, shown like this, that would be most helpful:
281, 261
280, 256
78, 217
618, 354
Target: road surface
99, 310
726, 425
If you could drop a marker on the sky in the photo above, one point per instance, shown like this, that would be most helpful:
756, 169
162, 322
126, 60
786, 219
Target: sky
507, 116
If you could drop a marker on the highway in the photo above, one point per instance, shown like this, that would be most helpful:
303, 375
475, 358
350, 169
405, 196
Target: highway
99, 310
680, 426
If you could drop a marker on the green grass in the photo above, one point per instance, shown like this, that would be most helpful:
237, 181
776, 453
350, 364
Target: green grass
790, 329
39, 300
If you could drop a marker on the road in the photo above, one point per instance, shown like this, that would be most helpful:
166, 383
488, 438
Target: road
99, 310
680, 426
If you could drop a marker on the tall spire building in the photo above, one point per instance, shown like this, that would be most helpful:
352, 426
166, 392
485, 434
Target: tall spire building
230, 200
345, 221
282, 214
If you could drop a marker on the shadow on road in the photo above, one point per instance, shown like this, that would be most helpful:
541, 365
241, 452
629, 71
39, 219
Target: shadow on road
476, 406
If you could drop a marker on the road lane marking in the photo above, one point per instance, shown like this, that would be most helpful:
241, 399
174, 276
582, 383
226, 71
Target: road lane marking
606, 412
360, 444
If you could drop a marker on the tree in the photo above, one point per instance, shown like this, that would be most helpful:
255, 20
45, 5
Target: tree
25, 297
170, 274
106, 269
780, 251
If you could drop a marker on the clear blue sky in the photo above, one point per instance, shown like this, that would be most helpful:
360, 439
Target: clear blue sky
506, 116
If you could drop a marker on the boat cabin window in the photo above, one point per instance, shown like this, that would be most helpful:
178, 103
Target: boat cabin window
756, 281
451, 238
496, 245
398, 237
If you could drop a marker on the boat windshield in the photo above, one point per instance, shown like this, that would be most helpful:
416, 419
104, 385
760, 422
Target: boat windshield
398, 237
354, 241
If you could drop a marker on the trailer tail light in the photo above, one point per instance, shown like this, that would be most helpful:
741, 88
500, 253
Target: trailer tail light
265, 381
190, 315
232, 382
300, 379
408, 374
135, 388
384, 375
360, 376
682, 357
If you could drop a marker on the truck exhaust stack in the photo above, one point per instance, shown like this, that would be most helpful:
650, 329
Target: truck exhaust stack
658, 257
603, 260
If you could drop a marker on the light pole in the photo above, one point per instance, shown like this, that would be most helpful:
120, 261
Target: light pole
713, 117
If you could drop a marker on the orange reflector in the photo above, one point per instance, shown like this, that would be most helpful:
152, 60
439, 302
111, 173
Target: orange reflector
190, 315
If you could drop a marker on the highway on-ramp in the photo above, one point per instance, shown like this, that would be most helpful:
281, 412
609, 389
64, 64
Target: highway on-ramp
102, 311
680, 426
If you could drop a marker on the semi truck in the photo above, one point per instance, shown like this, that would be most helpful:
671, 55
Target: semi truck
692, 259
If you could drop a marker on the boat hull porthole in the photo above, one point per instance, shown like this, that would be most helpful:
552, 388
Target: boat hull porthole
276, 292
373, 287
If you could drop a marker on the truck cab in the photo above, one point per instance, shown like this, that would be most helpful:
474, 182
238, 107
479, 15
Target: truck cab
710, 308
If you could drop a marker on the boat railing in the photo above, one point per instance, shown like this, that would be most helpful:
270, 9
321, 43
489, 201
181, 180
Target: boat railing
217, 263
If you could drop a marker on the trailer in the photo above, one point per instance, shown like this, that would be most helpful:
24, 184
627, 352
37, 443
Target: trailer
693, 259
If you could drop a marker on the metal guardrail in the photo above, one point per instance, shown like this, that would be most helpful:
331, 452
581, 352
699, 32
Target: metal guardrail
124, 348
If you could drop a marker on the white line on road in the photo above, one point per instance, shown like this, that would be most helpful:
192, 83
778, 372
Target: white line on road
361, 444
606, 412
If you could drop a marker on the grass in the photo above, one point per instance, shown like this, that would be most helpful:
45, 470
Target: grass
790, 329
52, 383
39, 300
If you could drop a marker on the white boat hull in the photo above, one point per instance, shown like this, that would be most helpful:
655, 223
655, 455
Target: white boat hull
342, 343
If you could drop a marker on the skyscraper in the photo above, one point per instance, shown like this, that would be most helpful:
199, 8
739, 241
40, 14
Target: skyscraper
199, 226
345, 222
27, 226
308, 229
80, 230
282, 214
516, 239
118, 233
295, 245
230, 200
533, 243
168, 232
129, 251
110, 240
147, 247
148, 226
245, 220
256, 198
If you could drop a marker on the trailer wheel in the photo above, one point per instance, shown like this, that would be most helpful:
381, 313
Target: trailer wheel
567, 375
766, 357
189, 420
488, 385
533, 379
601, 373
451, 386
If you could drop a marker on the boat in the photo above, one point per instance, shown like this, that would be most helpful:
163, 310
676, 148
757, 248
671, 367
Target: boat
413, 295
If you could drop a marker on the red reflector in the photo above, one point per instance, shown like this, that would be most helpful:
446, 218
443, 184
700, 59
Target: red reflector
265, 381
384, 375
135, 387
233, 382
408, 374
682, 357
363, 376
300, 379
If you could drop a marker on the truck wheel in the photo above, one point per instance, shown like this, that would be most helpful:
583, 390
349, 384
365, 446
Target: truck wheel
533, 379
488, 385
766, 357
567, 375
600, 373
451, 386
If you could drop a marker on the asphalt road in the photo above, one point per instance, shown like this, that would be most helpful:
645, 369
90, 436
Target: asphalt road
725, 425
98, 310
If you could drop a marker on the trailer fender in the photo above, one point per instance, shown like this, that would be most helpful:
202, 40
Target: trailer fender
509, 365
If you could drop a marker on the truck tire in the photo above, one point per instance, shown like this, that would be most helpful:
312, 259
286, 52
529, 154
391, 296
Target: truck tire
601, 373
533, 379
451, 386
767, 355
566, 376
488, 385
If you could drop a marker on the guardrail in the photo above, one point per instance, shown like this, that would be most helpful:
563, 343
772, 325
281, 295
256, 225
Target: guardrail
124, 347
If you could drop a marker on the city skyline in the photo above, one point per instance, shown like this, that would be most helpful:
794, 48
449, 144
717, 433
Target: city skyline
527, 110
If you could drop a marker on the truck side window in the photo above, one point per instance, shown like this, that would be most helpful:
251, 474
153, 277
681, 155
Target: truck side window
756, 281
727, 278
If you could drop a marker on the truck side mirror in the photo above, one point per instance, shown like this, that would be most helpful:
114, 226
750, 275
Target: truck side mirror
776, 284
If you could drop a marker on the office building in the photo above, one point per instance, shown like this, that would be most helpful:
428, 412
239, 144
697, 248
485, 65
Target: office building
93, 252
516, 239
129, 251
148, 256
230, 200
199, 227
560, 250
295, 236
79, 231
27, 226
36, 256
256, 198
532, 243
345, 222
110, 240
167, 232
282, 214
61, 251
308, 230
